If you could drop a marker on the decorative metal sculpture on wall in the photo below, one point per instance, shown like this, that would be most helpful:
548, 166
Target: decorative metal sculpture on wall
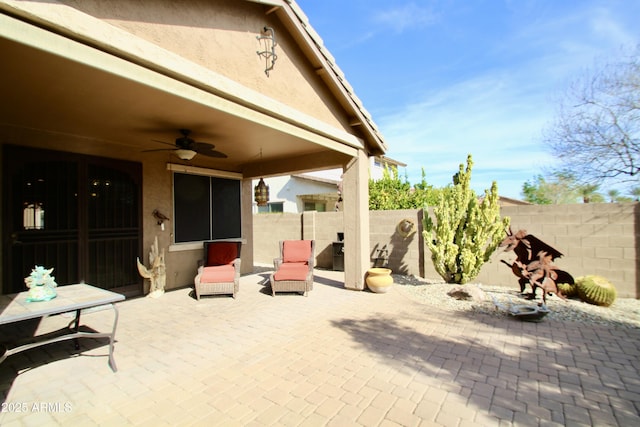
534, 264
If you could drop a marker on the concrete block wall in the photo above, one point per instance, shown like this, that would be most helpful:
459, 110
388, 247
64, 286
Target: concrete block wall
597, 238
405, 255
269, 229
323, 227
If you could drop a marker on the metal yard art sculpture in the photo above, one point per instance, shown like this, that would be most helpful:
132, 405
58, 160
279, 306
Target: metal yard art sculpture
157, 271
534, 264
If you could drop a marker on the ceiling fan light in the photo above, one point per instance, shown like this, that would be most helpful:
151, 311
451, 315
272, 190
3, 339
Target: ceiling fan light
185, 154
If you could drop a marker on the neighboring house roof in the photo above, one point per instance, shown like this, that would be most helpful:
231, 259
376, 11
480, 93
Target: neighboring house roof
316, 179
384, 160
507, 201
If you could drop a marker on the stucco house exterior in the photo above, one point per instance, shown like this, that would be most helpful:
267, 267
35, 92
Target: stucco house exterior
299, 193
319, 191
94, 97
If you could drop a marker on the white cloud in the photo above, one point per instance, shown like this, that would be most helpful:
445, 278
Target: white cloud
606, 27
497, 118
408, 16
499, 114
356, 41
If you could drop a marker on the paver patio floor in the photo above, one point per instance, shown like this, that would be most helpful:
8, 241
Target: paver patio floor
336, 357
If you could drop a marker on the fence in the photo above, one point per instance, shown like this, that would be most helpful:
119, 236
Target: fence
598, 238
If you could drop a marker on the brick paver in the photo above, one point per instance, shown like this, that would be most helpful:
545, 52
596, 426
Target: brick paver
336, 357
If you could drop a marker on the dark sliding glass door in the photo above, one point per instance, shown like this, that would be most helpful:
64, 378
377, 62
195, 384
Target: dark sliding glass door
77, 214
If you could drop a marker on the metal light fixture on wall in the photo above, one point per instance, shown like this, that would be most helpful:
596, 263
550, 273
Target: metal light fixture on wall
267, 40
261, 191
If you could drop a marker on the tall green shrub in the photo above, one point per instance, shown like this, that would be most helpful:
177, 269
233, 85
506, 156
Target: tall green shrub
466, 232
390, 192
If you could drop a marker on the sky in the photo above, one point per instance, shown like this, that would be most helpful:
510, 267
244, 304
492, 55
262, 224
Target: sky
446, 78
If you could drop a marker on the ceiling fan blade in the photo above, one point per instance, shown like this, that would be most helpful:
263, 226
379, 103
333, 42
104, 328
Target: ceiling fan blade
164, 142
158, 149
207, 149
184, 142
216, 154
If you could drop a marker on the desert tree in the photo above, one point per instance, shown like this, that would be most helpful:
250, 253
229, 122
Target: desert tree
613, 195
559, 188
589, 193
596, 130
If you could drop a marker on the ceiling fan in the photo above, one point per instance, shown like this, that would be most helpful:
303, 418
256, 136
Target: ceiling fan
186, 147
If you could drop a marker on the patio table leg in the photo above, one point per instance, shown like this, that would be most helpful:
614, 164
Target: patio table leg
112, 361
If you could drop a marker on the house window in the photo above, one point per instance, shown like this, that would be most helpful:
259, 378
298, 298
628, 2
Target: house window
206, 208
33, 217
273, 207
315, 206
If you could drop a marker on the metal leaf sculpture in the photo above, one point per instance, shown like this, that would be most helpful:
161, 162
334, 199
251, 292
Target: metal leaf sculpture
534, 264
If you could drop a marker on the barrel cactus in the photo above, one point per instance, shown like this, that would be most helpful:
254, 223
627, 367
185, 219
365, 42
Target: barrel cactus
569, 290
596, 290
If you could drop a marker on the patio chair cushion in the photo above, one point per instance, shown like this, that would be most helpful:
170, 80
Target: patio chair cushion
296, 251
292, 271
218, 274
222, 253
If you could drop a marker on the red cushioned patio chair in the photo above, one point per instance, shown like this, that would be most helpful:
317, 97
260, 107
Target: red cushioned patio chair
294, 267
220, 269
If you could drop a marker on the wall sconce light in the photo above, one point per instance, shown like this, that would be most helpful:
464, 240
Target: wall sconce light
267, 40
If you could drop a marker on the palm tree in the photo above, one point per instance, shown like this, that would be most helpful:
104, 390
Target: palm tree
635, 192
587, 192
613, 195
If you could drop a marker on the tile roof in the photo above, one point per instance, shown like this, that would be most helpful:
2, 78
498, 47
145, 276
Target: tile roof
294, 11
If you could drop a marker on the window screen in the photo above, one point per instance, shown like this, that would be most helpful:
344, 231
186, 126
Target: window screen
225, 194
206, 208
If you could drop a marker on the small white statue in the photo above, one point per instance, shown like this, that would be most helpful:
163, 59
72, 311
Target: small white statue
156, 273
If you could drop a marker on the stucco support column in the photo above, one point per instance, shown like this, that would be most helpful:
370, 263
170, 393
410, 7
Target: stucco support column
246, 253
355, 188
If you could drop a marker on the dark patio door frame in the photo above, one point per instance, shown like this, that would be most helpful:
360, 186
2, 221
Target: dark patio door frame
84, 220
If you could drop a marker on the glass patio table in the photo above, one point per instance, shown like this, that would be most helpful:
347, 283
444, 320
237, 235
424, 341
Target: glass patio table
70, 298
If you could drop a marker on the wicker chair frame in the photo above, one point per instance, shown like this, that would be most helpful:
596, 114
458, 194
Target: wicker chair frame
303, 286
217, 288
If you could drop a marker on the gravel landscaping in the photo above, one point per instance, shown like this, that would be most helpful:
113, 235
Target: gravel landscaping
624, 312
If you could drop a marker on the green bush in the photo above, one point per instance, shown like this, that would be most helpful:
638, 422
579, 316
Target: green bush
391, 193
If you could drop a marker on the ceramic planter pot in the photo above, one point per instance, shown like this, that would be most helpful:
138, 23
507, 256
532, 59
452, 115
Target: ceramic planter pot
379, 280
